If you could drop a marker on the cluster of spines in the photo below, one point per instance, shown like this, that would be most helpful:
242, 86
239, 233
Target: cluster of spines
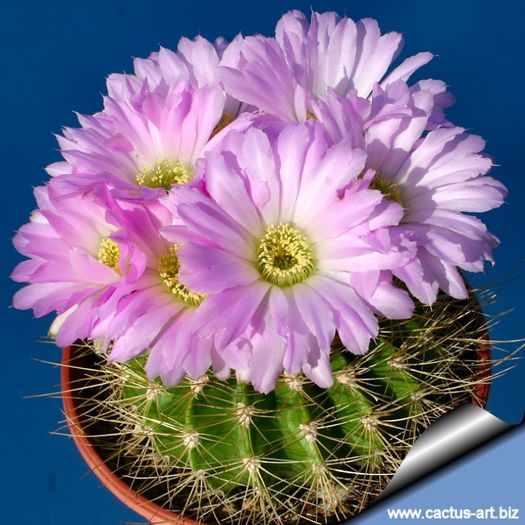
220, 452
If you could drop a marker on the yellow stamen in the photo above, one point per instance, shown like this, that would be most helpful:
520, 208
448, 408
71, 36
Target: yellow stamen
310, 115
109, 253
226, 119
285, 256
389, 189
169, 268
164, 174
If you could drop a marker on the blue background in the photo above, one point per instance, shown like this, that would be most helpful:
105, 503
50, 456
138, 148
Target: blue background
54, 59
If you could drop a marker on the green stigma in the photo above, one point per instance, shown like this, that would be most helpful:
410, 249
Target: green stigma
164, 174
285, 256
169, 268
109, 253
389, 189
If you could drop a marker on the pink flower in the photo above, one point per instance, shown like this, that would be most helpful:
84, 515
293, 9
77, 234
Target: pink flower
153, 310
195, 61
111, 277
286, 223
143, 145
285, 75
74, 264
435, 176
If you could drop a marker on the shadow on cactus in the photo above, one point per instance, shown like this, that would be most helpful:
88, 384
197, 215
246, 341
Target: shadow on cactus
220, 452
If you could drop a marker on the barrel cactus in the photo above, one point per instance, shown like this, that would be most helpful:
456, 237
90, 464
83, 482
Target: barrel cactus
221, 452
265, 243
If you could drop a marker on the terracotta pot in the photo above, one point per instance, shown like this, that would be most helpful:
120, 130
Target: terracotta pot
146, 508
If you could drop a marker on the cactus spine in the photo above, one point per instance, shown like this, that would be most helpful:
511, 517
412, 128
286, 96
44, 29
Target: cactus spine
222, 453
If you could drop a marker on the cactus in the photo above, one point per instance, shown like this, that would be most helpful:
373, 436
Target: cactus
220, 452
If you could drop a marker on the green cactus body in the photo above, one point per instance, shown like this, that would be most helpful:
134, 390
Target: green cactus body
222, 452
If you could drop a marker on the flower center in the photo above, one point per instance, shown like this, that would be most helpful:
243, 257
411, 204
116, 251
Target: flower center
226, 120
389, 189
285, 256
169, 267
310, 115
164, 174
109, 253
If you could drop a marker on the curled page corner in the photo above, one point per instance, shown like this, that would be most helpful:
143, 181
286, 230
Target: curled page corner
450, 437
